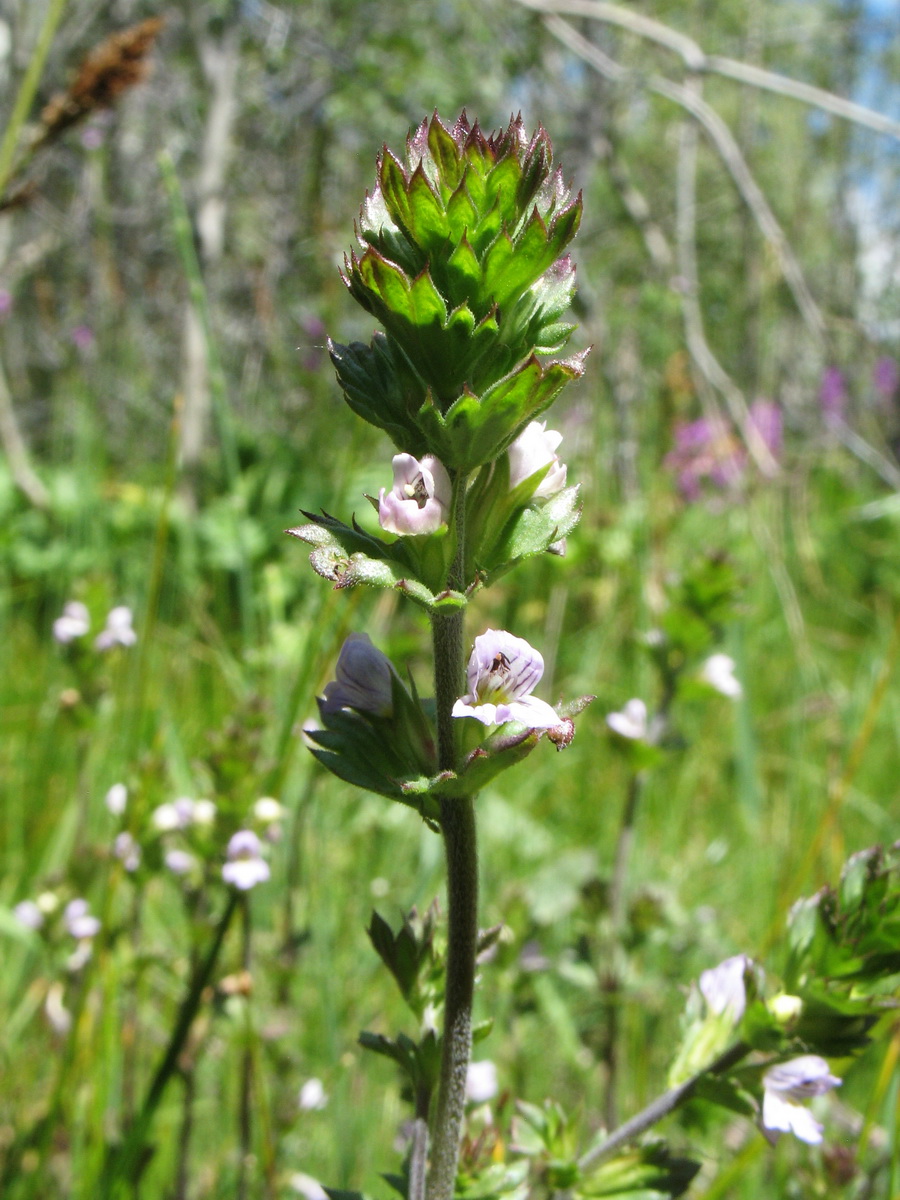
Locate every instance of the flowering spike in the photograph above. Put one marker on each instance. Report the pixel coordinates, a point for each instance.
(462, 262)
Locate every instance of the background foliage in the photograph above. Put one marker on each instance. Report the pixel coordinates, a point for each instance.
(171, 452)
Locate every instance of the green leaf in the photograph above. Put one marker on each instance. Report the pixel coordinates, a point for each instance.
(648, 1172)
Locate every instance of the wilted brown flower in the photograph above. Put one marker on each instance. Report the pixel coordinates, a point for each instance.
(116, 64)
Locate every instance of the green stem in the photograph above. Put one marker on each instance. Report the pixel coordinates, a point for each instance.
(460, 847)
(125, 1160)
(27, 91)
(458, 827)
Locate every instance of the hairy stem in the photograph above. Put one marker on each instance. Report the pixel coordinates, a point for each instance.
(460, 847)
(458, 827)
(661, 1107)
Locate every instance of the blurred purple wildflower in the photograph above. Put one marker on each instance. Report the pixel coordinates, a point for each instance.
(6, 303)
(82, 338)
(886, 377)
(833, 394)
(708, 450)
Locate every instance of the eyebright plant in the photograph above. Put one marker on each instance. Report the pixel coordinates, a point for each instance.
(460, 258)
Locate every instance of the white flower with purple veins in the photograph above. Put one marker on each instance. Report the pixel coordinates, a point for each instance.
(246, 866)
(118, 630)
(534, 448)
(419, 502)
(631, 722)
(718, 672)
(723, 987)
(74, 623)
(785, 1087)
(79, 920)
(364, 679)
(502, 673)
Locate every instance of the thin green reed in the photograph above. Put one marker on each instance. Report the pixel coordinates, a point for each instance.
(28, 90)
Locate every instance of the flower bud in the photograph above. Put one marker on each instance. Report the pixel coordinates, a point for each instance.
(533, 450)
(364, 679)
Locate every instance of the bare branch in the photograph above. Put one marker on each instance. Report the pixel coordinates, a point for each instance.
(731, 155)
(697, 60)
(705, 360)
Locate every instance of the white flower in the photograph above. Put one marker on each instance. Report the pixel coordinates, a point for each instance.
(183, 812)
(307, 1187)
(718, 672)
(116, 799)
(245, 867)
(74, 622)
(312, 1095)
(723, 987)
(118, 630)
(631, 722)
(127, 851)
(179, 862)
(28, 914)
(788, 1083)
(166, 818)
(57, 1014)
(203, 812)
(503, 671)
(267, 810)
(364, 679)
(534, 448)
(79, 920)
(481, 1082)
(419, 502)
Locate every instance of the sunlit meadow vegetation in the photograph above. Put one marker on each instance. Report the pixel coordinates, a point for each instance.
(168, 277)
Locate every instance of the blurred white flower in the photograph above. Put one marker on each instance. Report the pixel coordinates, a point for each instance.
(166, 817)
(28, 914)
(718, 672)
(267, 810)
(118, 630)
(74, 622)
(481, 1081)
(534, 448)
(182, 813)
(312, 1095)
(57, 1014)
(306, 1186)
(48, 903)
(79, 920)
(724, 989)
(203, 812)
(246, 866)
(116, 799)
(631, 722)
(785, 1086)
(179, 862)
(127, 851)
